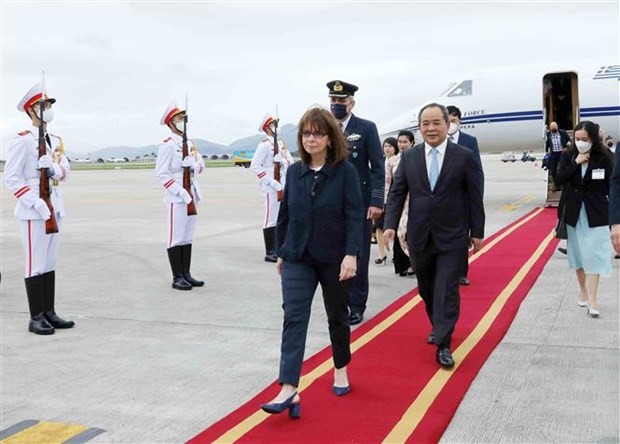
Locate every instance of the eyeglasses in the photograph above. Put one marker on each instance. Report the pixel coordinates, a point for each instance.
(316, 135)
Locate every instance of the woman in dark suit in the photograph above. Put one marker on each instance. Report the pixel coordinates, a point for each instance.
(318, 238)
(585, 171)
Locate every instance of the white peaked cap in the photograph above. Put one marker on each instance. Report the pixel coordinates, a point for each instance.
(171, 110)
(265, 122)
(32, 97)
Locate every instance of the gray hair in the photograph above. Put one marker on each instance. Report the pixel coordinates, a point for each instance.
(443, 109)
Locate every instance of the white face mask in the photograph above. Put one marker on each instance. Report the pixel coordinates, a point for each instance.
(48, 114)
(180, 125)
(453, 128)
(582, 146)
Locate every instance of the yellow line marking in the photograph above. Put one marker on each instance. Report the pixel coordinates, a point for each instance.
(514, 205)
(308, 379)
(45, 432)
(416, 411)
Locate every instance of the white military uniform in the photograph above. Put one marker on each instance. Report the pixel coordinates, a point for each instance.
(263, 166)
(169, 172)
(21, 176)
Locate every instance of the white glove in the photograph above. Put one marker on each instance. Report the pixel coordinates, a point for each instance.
(276, 185)
(183, 194)
(41, 207)
(45, 162)
(278, 158)
(189, 162)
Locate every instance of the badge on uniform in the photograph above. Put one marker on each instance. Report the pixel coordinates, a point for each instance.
(354, 154)
(353, 137)
(598, 174)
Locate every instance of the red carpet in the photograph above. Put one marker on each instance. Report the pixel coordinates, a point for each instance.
(398, 392)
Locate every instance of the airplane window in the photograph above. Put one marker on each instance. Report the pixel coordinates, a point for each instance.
(464, 89)
(449, 88)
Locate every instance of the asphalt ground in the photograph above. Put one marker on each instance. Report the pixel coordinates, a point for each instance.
(146, 363)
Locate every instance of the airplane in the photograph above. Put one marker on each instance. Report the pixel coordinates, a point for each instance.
(509, 108)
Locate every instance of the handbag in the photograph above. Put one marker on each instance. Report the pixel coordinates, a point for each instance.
(560, 228)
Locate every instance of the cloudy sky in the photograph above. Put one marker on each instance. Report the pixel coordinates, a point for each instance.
(114, 66)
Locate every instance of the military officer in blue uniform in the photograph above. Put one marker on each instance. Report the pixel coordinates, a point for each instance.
(366, 154)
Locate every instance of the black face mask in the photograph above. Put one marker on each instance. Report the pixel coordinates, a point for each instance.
(339, 110)
(554, 131)
(610, 144)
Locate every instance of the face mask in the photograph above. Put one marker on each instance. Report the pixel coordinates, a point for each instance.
(48, 115)
(453, 128)
(610, 144)
(180, 125)
(583, 147)
(272, 128)
(339, 110)
(554, 131)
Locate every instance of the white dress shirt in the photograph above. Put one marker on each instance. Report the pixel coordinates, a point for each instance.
(440, 156)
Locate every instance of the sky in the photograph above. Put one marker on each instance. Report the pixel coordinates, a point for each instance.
(114, 66)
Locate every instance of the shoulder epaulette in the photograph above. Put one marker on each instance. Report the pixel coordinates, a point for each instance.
(23, 133)
(265, 140)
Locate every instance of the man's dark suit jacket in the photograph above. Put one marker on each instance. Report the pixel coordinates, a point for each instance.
(469, 141)
(590, 192)
(364, 150)
(564, 139)
(327, 225)
(614, 191)
(450, 214)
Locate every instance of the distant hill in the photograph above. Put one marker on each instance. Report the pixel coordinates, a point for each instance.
(288, 133)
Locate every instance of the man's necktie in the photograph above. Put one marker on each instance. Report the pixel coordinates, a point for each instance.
(451, 138)
(434, 168)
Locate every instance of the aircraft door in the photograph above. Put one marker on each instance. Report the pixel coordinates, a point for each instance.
(560, 105)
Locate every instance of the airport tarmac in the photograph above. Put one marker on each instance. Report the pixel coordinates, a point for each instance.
(146, 363)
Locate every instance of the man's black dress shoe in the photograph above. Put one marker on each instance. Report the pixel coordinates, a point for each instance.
(463, 281)
(444, 357)
(271, 257)
(562, 250)
(431, 338)
(355, 318)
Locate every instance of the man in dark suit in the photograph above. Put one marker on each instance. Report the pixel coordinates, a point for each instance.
(468, 141)
(556, 141)
(446, 213)
(366, 154)
(614, 202)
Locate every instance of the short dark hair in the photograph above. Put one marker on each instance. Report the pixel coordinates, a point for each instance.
(443, 109)
(392, 142)
(454, 111)
(408, 134)
(319, 119)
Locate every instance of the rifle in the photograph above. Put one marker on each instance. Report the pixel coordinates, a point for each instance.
(276, 165)
(51, 226)
(191, 207)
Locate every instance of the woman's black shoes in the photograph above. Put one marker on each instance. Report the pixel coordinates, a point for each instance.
(382, 260)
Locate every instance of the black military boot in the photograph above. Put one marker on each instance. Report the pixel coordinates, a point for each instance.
(269, 234)
(186, 253)
(36, 293)
(176, 264)
(56, 321)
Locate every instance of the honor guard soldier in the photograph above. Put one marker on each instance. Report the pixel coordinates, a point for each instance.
(262, 165)
(22, 175)
(169, 172)
(366, 154)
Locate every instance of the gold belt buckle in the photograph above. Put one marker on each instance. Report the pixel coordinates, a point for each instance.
(54, 183)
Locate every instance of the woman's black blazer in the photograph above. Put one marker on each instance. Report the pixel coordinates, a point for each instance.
(593, 193)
